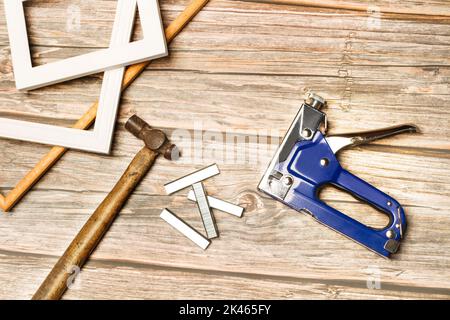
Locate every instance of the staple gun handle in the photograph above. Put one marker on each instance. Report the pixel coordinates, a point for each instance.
(386, 240)
(375, 240)
(371, 195)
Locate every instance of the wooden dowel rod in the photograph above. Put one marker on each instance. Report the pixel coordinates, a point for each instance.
(131, 73)
(368, 6)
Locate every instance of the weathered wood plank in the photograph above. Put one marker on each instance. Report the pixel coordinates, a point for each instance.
(253, 101)
(413, 170)
(242, 67)
(144, 281)
(438, 8)
(295, 245)
(232, 21)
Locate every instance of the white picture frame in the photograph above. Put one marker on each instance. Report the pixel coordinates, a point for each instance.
(99, 139)
(27, 77)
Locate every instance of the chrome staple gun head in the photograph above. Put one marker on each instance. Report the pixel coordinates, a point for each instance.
(306, 161)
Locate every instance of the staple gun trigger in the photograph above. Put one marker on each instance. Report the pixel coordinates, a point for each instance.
(306, 161)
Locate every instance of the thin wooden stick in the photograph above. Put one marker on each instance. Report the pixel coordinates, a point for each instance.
(131, 73)
(367, 6)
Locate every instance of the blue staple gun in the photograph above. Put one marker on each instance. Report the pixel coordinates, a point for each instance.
(306, 161)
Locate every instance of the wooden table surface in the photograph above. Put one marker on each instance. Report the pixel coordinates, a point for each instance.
(241, 68)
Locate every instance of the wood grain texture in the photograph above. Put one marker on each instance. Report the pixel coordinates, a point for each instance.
(243, 67)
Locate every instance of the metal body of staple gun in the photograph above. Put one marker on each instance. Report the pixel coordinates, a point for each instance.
(306, 161)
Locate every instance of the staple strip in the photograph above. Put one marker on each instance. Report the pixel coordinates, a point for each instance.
(192, 178)
(220, 205)
(205, 212)
(185, 229)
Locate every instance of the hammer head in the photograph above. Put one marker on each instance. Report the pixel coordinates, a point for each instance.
(154, 139)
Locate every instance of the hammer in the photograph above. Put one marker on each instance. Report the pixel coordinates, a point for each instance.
(78, 252)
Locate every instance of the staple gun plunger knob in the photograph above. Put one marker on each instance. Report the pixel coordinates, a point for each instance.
(306, 161)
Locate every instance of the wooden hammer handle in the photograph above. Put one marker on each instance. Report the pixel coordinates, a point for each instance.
(95, 228)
